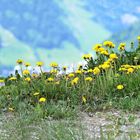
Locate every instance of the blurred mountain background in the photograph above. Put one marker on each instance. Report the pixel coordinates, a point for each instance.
(62, 30)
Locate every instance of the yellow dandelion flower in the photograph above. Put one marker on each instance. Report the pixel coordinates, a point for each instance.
(87, 56)
(54, 71)
(105, 66)
(130, 70)
(109, 44)
(54, 65)
(75, 81)
(50, 79)
(20, 61)
(42, 99)
(101, 49)
(70, 75)
(12, 78)
(39, 64)
(107, 62)
(90, 71)
(121, 47)
(96, 47)
(78, 72)
(120, 87)
(113, 56)
(105, 52)
(28, 79)
(37, 93)
(96, 71)
(27, 64)
(88, 79)
(26, 72)
(110, 60)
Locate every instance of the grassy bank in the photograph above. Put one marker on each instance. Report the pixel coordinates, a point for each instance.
(110, 81)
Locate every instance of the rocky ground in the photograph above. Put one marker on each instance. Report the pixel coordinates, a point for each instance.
(116, 124)
(103, 125)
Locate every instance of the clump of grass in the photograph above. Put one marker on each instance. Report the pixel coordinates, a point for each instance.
(23, 127)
